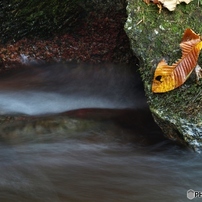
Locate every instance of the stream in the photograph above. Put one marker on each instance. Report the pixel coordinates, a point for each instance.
(87, 135)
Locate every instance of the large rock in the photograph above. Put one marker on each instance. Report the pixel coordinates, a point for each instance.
(155, 36)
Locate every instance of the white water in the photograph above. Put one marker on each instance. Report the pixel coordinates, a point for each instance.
(36, 103)
(59, 88)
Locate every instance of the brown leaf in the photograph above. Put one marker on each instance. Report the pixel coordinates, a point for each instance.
(167, 77)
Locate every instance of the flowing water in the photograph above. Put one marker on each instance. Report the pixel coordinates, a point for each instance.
(105, 148)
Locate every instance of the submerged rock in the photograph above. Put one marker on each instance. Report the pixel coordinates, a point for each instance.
(125, 126)
(155, 36)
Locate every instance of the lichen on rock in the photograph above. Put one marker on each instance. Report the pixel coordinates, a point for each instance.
(155, 36)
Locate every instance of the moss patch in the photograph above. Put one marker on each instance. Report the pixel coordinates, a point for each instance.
(22, 18)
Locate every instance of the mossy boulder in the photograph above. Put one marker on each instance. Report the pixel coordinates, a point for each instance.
(155, 36)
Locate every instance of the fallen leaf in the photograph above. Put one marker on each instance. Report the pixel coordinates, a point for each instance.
(167, 78)
(169, 4)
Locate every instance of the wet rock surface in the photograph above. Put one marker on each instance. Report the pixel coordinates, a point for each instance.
(90, 125)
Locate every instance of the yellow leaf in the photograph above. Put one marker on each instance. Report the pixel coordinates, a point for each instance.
(167, 77)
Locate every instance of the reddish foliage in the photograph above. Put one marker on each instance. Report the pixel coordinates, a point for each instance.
(100, 38)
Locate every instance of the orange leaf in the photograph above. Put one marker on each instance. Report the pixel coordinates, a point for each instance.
(167, 77)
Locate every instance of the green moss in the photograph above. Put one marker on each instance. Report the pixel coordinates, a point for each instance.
(36, 18)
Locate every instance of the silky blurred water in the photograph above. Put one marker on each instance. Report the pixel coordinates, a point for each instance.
(119, 156)
(53, 88)
(78, 170)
